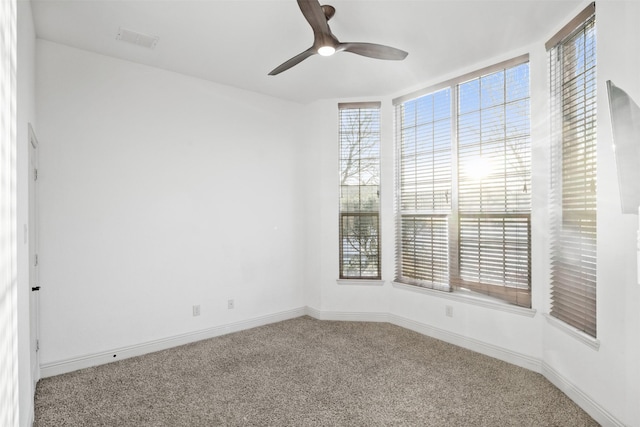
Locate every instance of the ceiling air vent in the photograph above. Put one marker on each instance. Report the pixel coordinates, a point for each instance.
(140, 39)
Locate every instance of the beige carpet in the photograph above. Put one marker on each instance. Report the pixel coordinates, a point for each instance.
(306, 372)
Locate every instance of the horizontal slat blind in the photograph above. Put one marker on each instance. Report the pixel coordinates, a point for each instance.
(495, 256)
(359, 135)
(424, 248)
(573, 183)
(494, 180)
(423, 127)
(463, 184)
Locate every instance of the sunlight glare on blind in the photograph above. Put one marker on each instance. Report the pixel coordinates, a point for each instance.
(572, 64)
(464, 179)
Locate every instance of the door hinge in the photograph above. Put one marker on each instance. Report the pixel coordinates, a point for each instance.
(35, 263)
(35, 174)
(37, 345)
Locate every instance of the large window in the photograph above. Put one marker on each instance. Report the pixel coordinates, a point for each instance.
(572, 63)
(464, 184)
(359, 135)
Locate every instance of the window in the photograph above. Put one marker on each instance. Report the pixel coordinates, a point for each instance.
(425, 189)
(572, 63)
(359, 134)
(464, 180)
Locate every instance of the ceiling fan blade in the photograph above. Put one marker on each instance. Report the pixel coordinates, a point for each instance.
(325, 43)
(293, 61)
(315, 16)
(318, 17)
(373, 50)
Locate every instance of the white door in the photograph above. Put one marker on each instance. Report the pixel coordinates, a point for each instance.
(34, 277)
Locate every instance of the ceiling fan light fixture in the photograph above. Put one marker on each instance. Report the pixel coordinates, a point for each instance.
(326, 44)
(326, 50)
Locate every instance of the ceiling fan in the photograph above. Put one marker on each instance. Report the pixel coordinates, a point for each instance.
(326, 44)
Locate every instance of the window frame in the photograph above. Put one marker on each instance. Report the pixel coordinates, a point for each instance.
(573, 302)
(374, 214)
(455, 214)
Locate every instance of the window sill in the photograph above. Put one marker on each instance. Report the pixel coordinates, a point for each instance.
(469, 297)
(594, 343)
(360, 282)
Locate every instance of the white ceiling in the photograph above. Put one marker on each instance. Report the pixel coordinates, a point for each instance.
(237, 42)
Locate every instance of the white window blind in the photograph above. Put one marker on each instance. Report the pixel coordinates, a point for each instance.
(572, 63)
(464, 178)
(359, 135)
(494, 158)
(425, 192)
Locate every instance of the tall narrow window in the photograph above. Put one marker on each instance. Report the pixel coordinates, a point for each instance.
(572, 62)
(494, 183)
(359, 134)
(464, 184)
(425, 194)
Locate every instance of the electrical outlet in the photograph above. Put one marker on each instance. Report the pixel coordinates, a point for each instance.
(230, 304)
(196, 310)
(448, 310)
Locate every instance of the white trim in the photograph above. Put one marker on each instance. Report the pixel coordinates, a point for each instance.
(589, 405)
(86, 361)
(501, 353)
(348, 316)
(497, 352)
(600, 414)
(469, 297)
(361, 282)
(575, 333)
(359, 105)
(313, 312)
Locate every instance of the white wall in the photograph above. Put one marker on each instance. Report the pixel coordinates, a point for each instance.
(322, 180)
(144, 215)
(9, 368)
(507, 331)
(604, 381)
(610, 376)
(517, 333)
(159, 192)
(27, 367)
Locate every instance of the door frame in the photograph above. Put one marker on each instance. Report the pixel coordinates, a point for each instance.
(34, 270)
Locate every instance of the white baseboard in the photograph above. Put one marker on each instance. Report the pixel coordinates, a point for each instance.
(527, 362)
(531, 363)
(509, 356)
(81, 362)
(347, 316)
(590, 406)
(503, 354)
